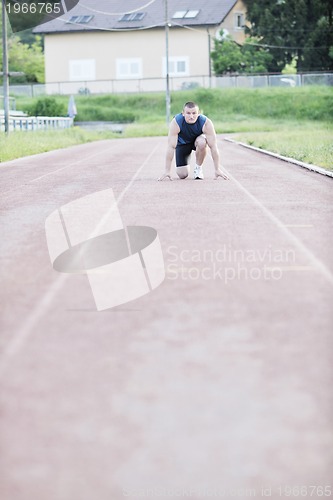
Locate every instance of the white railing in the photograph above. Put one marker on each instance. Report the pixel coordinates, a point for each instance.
(36, 122)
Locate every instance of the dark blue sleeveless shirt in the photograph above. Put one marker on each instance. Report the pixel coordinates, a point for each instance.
(189, 131)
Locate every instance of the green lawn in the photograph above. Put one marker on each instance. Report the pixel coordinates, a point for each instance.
(295, 122)
(25, 143)
(307, 141)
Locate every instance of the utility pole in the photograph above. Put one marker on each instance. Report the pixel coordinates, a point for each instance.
(209, 59)
(5, 67)
(167, 97)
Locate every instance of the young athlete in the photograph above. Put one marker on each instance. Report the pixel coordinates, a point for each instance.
(190, 131)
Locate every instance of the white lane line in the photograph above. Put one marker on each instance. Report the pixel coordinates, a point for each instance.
(298, 225)
(68, 165)
(20, 337)
(291, 268)
(315, 262)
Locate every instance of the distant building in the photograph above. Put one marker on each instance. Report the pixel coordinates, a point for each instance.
(124, 42)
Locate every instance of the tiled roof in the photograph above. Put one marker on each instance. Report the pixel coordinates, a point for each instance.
(106, 15)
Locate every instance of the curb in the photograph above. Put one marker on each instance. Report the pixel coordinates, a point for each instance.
(313, 168)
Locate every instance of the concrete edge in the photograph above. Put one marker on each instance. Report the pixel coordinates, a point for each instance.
(313, 168)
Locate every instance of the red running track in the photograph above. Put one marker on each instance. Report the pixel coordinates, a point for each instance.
(216, 383)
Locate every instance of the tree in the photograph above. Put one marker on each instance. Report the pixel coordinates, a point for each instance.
(257, 58)
(226, 56)
(28, 59)
(293, 29)
(229, 57)
(24, 57)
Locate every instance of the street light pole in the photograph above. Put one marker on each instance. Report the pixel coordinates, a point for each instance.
(5, 67)
(167, 97)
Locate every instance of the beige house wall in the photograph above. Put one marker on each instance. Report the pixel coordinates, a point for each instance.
(230, 22)
(105, 48)
(102, 49)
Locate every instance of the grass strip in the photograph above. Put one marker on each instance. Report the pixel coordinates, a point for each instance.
(294, 122)
(25, 143)
(305, 142)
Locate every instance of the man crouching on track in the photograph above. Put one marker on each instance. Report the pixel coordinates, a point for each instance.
(190, 131)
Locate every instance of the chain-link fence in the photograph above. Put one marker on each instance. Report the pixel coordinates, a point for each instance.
(179, 83)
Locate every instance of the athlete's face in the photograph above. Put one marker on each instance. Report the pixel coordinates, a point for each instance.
(191, 114)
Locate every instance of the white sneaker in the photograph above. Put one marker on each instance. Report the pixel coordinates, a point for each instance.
(198, 174)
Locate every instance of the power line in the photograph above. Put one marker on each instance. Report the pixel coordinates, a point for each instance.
(264, 45)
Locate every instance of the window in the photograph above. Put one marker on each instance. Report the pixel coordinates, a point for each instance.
(86, 19)
(80, 19)
(239, 21)
(82, 69)
(73, 19)
(185, 14)
(179, 14)
(128, 68)
(178, 66)
(135, 16)
(190, 14)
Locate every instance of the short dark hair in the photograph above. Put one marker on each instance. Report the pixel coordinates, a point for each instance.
(190, 104)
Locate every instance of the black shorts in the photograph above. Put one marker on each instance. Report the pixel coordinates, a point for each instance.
(183, 153)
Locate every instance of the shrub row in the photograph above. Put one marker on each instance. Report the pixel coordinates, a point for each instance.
(308, 103)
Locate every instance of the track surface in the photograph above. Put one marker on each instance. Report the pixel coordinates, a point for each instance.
(216, 383)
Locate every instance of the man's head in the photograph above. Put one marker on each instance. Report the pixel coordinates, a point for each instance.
(190, 112)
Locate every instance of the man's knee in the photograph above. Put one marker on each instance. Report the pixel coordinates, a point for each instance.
(201, 143)
(182, 172)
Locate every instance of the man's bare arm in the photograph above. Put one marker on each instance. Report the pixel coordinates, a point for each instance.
(172, 143)
(210, 134)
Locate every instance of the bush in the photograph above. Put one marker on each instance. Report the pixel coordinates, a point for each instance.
(46, 106)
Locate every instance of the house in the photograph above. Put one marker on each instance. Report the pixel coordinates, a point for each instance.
(122, 45)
